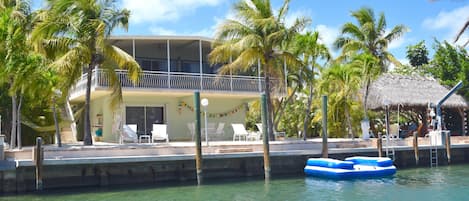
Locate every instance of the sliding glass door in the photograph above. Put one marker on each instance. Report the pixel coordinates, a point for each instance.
(144, 117)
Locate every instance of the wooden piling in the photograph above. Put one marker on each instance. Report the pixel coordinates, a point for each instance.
(38, 158)
(379, 145)
(265, 137)
(198, 142)
(324, 128)
(416, 148)
(448, 146)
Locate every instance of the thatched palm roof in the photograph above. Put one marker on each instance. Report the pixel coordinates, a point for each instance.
(410, 91)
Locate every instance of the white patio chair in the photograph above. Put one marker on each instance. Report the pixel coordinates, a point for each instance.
(239, 132)
(159, 132)
(276, 133)
(191, 127)
(220, 129)
(129, 133)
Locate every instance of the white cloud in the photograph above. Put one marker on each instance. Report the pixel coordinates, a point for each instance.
(207, 32)
(404, 61)
(163, 10)
(451, 22)
(292, 16)
(328, 35)
(397, 43)
(162, 31)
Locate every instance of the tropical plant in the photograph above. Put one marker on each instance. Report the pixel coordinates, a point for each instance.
(16, 59)
(74, 34)
(309, 49)
(341, 83)
(417, 54)
(369, 36)
(256, 35)
(370, 70)
(449, 65)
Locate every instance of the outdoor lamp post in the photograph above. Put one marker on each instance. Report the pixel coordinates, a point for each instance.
(57, 93)
(204, 103)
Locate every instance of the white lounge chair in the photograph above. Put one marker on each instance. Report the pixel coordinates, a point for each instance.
(159, 132)
(220, 129)
(239, 132)
(129, 133)
(276, 133)
(191, 127)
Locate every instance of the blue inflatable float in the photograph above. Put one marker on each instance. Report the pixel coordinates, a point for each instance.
(352, 168)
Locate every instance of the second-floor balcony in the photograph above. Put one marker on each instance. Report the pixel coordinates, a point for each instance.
(179, 82)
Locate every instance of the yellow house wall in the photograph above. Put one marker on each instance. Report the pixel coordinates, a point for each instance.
(177, 117)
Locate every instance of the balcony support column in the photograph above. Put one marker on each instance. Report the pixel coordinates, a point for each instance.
(200, 63)
(168, 52)
(286, 72)
(133, 48)
(231, 75)
(259, 74)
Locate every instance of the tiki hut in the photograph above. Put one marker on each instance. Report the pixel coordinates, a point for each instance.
(416, 92)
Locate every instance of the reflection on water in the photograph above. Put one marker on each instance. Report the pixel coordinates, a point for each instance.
(442, 183)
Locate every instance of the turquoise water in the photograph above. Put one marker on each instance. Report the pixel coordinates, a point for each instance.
(442, 183)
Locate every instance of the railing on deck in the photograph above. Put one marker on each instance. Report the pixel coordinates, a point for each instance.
(178, 81)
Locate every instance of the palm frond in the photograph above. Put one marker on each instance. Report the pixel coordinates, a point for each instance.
(123, 61)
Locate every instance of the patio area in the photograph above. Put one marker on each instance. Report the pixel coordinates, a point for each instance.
(102, 150)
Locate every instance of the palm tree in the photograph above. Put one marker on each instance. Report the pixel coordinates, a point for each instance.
(370, 70)
(369, 36)
(461, 32)
(257, 34)
(15, 57)
(74, 33)
(341, 82)
(310, 49)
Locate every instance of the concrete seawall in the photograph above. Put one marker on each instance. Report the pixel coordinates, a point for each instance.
(68, 172)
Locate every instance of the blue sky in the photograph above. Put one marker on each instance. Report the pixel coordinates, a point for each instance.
(426, 19)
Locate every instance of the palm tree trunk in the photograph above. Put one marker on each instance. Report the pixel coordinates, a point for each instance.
(349, 121)
(281, 110)
(87, 124)
(270, 129)
(308, 111)
(56, 123)
(13, 122)
(18, 130)
(365, 98)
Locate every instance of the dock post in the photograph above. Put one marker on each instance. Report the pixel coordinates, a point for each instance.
(448, 146)
(38, 158)
(379, 145)
(416, 148)
(198, 142)
(324, 127)
(265, 137)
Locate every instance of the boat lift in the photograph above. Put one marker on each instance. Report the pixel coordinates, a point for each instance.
(436, 136)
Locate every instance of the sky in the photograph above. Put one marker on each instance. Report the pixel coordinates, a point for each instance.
(426, 19)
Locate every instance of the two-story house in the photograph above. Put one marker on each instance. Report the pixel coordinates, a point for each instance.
(173, 68)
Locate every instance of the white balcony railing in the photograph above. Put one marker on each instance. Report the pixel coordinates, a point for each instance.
(178, 81)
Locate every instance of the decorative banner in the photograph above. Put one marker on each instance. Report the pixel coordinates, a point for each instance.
(238, 108)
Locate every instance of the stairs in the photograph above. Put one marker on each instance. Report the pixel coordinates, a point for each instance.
(66, 135)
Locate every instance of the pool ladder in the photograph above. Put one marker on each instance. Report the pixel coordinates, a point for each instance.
(390, 152)
(433, 156)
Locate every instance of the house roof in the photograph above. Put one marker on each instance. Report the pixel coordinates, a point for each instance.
(160, 37)
(411, 91)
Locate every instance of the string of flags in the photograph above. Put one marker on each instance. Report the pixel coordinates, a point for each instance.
(238, 108)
